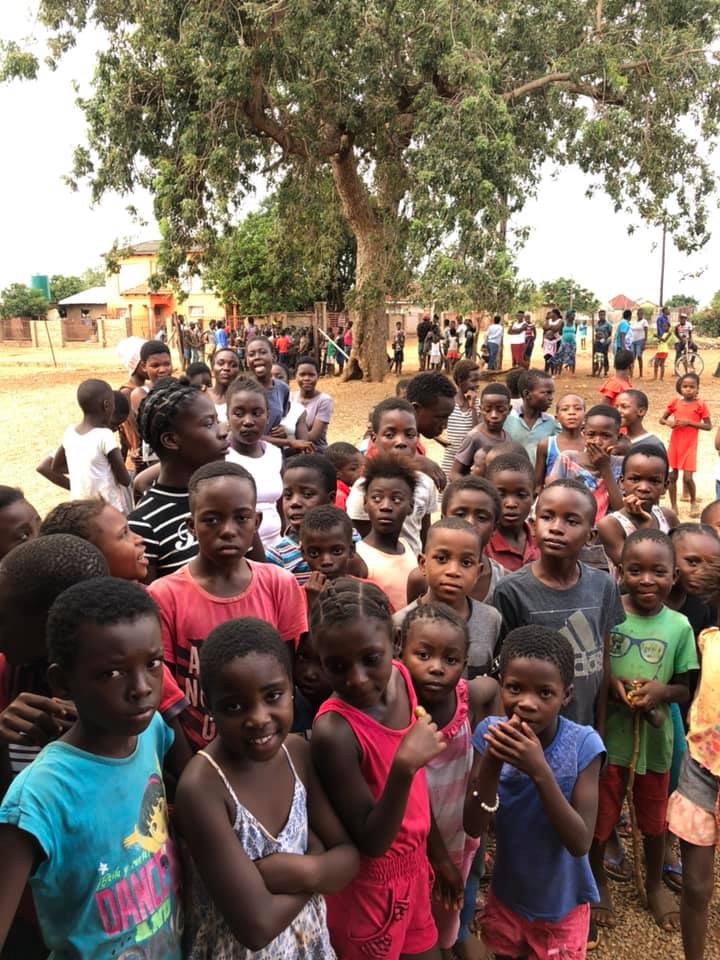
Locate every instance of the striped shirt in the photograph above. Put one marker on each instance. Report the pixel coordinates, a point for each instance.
(460, 423)
(161, 520)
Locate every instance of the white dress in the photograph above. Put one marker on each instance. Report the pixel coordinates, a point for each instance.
(267, 474)
(89, 468)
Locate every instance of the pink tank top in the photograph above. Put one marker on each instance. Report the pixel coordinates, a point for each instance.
(378, 745)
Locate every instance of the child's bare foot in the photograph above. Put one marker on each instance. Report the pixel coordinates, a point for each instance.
(472, 949)
(664, 907)
(694, 509)
(603, 913)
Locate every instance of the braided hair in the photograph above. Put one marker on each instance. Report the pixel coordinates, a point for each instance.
(160, 409)
(436, 613)
(347, 599)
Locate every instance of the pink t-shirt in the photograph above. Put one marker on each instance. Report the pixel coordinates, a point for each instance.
(188, 614)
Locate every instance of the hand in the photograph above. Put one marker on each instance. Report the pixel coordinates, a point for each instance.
(634, 506)
(516, 743)
(303, 446)
(599, 456)
(433, 470)
(314, 586)
(646, 695)
(619, 690)
(35, 721)
(422, 743)
(470, 397)
(449, 888)
(280, 433)
(478, 465)
(286, 873)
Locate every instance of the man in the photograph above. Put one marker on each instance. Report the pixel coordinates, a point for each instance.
(623, 337)
(423, 329)
(221, 340)
(603, 336)
(493, 339)
(684, 334)
(210, 340)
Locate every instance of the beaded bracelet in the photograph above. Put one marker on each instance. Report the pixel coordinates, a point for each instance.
(486, 806)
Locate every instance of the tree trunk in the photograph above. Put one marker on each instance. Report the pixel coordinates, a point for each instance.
(367, 310)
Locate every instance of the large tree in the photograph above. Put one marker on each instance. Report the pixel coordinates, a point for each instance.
(433, 117)
(17, 300)
(568, 294)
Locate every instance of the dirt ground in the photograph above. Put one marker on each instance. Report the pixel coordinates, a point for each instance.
(37, 403)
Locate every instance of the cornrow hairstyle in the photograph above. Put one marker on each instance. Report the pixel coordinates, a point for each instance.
(434, 612)
(656, 536)
(340, 453)
(569, 483)
(529, 379)
(160, 409)
(388, 466)
(688, 529)
(309, 361)
(510, 461)
(152, 347)
(539, 643)
(470, 482)
(317, 463)
(78, 517)
(687, 376)
(39, 570)
(122, 406)
(10, 495)
(101, 602)
(425, 388)
(211, 471)
(246, 385)
(390, 403)
(640, 398)
(453, 523)
(604, 410)
(325, 518)
(463, 369)
(496, 390)
(347, 599)
(649, 451)
(91, 394)
(235, 640)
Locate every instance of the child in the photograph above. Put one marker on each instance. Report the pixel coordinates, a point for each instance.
(434, 650)
(570, 415)
(317, 406)
(19, 520)
(398, 346)
(530, 424)
(538, 773)
(198, 375)
(512, 544)
(394, 430)
(432, 397)
(464, 417)
(389, 485)
(582, 332)
(563, 594)
(259, 356)
(620, 381)
(494, 410)
(369, 749)
(225, 369)
(686, 415)
(155, 365)
(327, 543)
(651, 652)
(435, 352)
(308, 481)
(550, 344)
(632, 405)
(104, 885)
(245, 808)
(349, 464)
(90, 453)
(644, 480)
(401, 387)
(711, 515)
(450, 566)
(697, 555)
(476, 501)
(220, 583)
(179, 422)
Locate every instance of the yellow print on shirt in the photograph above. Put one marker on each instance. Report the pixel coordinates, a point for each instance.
(151, 831)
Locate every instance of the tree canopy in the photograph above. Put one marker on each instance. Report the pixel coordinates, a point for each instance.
(17, 300)
(432, 117)
(683, 300)
(569, 295)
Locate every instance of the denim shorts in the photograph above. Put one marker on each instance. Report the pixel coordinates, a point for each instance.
(638, 347)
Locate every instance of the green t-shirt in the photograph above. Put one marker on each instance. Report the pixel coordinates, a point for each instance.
(647, 648)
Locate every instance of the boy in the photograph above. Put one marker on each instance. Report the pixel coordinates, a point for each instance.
(632, 405)
(494, 410)
(620, 381)
(651, 653)
(308, 481)
(450, 565)
(529, 425)
(394, 430)
(87, 822)
(327, 543)
(538, 772)
(349, 464)
(559, 592)
(432, 396)
(220, 584)
(512, 544)
(19, 520)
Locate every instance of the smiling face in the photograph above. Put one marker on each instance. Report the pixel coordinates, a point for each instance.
(516, 493)
(648, 575)
(494, 409)
(630, 413)
(388, 501)
(357, 658)
(450, 563)
(328, 551)
(562, 522)
(477, 508)
(397, 433)
(435, 654)
(692, 553)
(123, 550)
(645, 478)
(258, 357)
(247, 416)
(570, 411)
(252, 703)
(432, 419)
(226, 367)
(303, 488)
(19, 521)
(533, 691)
(224, 519)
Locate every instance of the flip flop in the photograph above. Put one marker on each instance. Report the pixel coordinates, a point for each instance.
(673, 876)
(594, 937)
(617, 868)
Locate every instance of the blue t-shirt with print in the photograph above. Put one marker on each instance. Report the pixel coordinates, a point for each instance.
(107, 884)
(534, 874)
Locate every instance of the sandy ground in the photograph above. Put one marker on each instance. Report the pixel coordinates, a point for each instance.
(37, 403)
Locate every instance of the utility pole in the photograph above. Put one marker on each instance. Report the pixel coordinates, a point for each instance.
(662, 266)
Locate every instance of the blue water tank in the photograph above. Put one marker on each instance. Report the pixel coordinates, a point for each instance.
(41, 282)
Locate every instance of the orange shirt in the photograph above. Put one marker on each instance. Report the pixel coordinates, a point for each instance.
(613, 387)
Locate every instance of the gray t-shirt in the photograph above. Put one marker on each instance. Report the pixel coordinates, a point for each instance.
(476, 440)
(484, 625)
(585, 614)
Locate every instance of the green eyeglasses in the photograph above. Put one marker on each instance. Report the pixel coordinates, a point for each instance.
(650, 650)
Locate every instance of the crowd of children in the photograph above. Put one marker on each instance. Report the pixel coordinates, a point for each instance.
(254, 702)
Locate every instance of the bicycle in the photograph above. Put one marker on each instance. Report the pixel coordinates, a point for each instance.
(688, 360)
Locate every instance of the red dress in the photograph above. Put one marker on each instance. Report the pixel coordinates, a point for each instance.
(682, 451)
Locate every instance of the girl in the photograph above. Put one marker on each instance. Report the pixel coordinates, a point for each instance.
(318, 406)
(247, 415)
(225, 368)
(569, 413)
(19, 520)
(434, 650)
(686, 414)
(369, 749)
(465, 416)
(435, 352)
(259, 356)
(245, 807)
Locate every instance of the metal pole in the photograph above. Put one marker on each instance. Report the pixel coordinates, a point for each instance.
(328, 337)
(662, 267)
(52, 351)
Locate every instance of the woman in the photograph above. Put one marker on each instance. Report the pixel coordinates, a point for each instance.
(639, 332)
(318, 407)
(516, 338)
(225, 368)
(568, 343)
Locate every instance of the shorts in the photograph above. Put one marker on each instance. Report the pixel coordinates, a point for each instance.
(638, 347)
(452, 354)
(385, 911)
(650, 794)
(507, 933)
(694, 809)
(661, 355)
(398, 356)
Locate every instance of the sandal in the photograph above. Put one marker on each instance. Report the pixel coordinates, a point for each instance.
(594, 937)
(673, 875)
(617, 868)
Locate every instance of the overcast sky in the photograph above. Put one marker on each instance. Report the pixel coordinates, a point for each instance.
(49, 229)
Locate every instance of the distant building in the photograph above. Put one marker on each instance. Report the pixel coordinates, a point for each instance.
(80, 312)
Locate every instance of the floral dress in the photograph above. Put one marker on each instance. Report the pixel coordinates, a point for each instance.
(207, 935)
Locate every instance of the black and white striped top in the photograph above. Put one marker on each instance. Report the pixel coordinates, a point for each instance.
(161, 520)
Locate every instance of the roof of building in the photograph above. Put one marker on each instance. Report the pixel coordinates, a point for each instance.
(145, 290)
(147, 246)
(93, 296)
(621, 302)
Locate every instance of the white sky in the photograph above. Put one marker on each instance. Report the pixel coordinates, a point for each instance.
(49, 229)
